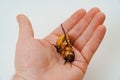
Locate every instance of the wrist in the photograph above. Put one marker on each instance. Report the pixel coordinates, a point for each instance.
(24, 75)
(17, 77)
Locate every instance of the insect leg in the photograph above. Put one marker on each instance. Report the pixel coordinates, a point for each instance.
(65, 62)
(57, 48)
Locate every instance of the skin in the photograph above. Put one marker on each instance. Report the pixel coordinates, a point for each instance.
(37, 59)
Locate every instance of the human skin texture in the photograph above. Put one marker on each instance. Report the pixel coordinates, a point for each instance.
(37, 59)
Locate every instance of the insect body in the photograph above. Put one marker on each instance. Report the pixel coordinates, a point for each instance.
(64, 47)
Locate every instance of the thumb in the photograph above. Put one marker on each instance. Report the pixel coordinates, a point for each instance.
(25, 27)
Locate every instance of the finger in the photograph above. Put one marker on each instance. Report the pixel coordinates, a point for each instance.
(77, 30)
(85, 36)
(25, 28)
(95, 40)
(70, 22)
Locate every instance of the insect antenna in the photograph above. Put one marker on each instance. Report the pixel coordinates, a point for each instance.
(63, 29)
(64, 33)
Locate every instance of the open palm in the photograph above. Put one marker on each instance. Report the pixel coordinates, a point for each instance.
(38, 59)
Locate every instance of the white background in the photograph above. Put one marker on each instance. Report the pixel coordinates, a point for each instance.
(45, 16)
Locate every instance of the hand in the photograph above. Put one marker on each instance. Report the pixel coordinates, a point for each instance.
(37, 59)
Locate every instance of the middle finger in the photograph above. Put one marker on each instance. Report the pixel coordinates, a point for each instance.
(77, 30)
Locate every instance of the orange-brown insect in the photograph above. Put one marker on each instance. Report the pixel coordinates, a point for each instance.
(64, 47)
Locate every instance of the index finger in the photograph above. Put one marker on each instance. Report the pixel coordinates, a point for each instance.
(70, 22)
